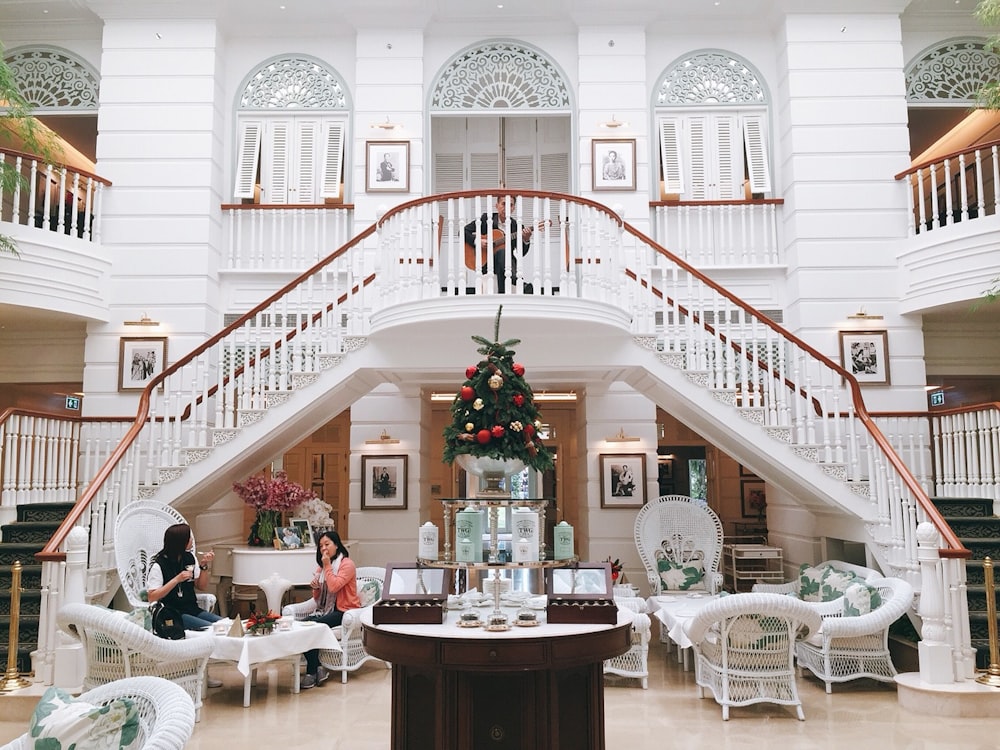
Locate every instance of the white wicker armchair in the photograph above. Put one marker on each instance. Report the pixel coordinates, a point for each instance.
(674, 528)
(138, 536)
(117, 648)
(349, 633)
(166, 713)
(850, 647)
(634, 662)
(744, 648)
(792, 587)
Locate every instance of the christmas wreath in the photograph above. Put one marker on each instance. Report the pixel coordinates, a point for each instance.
(494, 414)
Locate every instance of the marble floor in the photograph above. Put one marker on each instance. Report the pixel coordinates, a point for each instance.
(669, 714)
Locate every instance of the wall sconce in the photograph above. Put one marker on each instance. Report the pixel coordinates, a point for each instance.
(612, 123)
(145, 320)
(862, 315)
(621, 437)
(387, 125)
(384, 439)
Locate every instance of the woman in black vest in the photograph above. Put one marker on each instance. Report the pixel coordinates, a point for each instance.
(174, 573)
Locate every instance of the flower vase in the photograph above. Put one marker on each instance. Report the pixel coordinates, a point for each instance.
(262, 531)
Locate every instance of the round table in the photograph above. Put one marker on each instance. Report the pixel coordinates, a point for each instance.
(464, 688)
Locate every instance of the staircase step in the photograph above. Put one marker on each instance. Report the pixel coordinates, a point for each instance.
(981, 548)
(965, 507)
(980, 528)
(31, 577)
(13, 552)
(23, 657)
(30, 605)
(29, 532)
(54, 512)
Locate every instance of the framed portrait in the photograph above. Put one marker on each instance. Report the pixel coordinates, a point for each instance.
(305, 531)
(287, 537)
(383, 482)
(613, 162)
(387, 166)
(623, 480)
(865, 354)
(753, 498)
(139, 361)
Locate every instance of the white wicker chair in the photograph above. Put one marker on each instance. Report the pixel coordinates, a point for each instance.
(117, 648)
(792, 587)
(849, 648)
(138, 536)
(744, 647)
(634, 662)
(349, 633)
(166, 713)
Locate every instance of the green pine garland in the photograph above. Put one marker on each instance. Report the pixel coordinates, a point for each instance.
(494, 414)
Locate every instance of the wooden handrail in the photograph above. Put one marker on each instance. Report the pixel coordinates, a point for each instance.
(54, 163)
(946, 157)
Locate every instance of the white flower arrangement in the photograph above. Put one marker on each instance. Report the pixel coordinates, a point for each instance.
(316, 512)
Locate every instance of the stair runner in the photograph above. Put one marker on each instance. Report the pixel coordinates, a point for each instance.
(35, 524)
(974, 524)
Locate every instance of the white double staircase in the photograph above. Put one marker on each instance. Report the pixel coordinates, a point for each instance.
(373, 311)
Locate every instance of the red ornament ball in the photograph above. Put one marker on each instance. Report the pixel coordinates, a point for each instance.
(518, 399)
(529, 429)
(470, 371)
(518, 369)
(497, 431)
(483, 436)
(467, 393)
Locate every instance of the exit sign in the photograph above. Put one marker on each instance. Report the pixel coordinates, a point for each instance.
(937, 398)
(73, 402)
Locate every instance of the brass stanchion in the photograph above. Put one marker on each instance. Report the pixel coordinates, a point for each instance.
(12, 679)
(991, 676)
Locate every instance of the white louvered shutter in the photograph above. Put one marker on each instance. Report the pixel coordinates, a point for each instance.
(671, 162)
(755, 142)
(274, 161)
(553, 152)
(699, 156)
(448, 135)
(484, 153)
(728, 173)
(247, 158)
(332, 164)
(306, 146)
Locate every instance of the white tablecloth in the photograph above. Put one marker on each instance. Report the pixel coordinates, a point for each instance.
(674, 612)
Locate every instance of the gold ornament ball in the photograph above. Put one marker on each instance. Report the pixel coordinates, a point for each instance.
(469, 426)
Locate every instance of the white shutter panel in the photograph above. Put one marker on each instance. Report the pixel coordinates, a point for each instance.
(699, 159)
(729, 171)
(274, 162)
(553, 150)
(755, 142)
(670, 155)
(519, 153)
(333, 158)
(448, 135)
(306, 157)
(247, 158)
(484, 152)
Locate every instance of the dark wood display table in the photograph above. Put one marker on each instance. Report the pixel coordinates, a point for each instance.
(538, 688)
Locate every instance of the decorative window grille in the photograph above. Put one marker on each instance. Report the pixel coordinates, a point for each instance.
(54, 79)
(952, 71)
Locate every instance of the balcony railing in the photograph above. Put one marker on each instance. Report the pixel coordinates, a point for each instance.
(54, 197)
(266, 237)
(957, 187)
(709, 234)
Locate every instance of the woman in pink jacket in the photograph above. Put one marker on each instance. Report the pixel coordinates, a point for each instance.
(335, 589)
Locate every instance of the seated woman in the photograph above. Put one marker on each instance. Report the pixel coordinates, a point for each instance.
(335, 589)
(174, 573)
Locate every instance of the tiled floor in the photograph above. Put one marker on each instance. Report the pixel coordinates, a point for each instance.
(669, 714)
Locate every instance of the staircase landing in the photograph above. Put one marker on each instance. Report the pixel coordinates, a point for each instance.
(967, 700)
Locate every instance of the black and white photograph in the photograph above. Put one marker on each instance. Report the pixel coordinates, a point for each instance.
(613, 164)
(139, 361)
(623, 480)
(387, 166)
(865, 355)
(383, 482)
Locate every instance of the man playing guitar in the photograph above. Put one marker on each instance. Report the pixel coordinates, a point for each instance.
(490, 234)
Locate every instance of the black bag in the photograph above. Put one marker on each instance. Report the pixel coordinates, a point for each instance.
(167, 622)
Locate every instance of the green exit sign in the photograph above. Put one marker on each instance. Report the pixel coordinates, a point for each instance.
(937, 398)
(73, 402)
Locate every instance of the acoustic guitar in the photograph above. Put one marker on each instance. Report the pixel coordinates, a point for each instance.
(476, 255)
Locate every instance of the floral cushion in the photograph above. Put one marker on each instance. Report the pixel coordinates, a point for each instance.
(823, 584)
(369, 593)
(810, 580)
(860, 599)
(61, 723)
(680, 576)
(141, 617)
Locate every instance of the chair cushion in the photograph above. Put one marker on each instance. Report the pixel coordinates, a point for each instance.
(61, 723)
(860, 599)
(823, 584)
(810, 580)
(835, 583)
(680, 576)
(370, 592)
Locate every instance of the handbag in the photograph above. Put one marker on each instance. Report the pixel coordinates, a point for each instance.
(167, 622)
